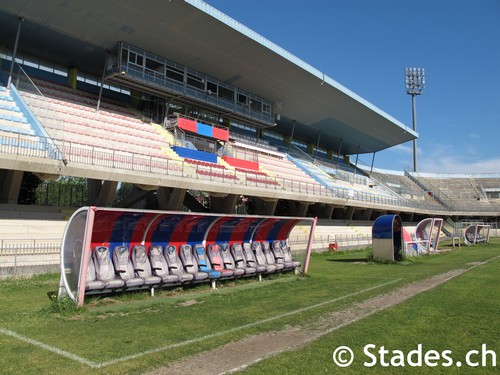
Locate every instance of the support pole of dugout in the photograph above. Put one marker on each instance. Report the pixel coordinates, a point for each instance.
(91, 227)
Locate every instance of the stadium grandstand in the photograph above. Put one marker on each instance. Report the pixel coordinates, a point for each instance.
(173, 105)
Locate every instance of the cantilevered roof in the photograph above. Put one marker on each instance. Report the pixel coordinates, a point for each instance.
(192, 33)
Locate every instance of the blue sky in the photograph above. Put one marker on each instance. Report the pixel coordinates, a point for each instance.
(365, 46)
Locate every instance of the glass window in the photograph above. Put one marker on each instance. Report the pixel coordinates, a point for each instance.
(175, 74)
(154, 65)
(226, 93)
(255, 105)
(242, 99)
(212, 88)
(135, 59)
(196, 82)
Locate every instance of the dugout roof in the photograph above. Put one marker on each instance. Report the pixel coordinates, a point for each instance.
(192, 33)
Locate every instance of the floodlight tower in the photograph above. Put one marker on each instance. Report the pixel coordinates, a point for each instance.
(415, 84)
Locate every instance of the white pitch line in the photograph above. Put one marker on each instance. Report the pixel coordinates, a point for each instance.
(358, 318)
(182, 343)
(198, 339)
(50, 348)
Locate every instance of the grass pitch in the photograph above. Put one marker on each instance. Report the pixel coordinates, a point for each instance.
(134, 333)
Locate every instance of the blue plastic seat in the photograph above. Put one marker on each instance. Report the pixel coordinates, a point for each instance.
(201, 258)
(190, 264)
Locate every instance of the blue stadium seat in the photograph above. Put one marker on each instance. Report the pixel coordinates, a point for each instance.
(190, 264)
(201, 258)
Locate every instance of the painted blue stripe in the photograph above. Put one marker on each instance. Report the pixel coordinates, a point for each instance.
(247, 237)
(123, 229)
(275, 230)
(226, 230)
(198, 230)
(204, 130)
(165, 229)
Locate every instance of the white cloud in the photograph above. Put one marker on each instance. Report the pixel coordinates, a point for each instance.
(403, 148)
(457, 164)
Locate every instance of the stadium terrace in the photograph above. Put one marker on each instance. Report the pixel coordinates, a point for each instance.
(173, 105)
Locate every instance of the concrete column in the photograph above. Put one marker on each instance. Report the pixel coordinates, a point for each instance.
(264, 207)
(406, 217)
(171, 199)
(376, 213)
(363, 214)
(101, 193)
(328, 211)
(10, 185)
(349, 213)
(224, 205)
(298, 209)
(320, 210)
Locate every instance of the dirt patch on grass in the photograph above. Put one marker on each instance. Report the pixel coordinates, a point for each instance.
(238, 355)
(190, 302)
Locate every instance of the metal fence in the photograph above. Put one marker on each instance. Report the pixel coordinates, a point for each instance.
(17, 247)
(33, 146)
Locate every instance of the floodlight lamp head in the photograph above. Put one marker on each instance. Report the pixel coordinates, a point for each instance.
(415, 80)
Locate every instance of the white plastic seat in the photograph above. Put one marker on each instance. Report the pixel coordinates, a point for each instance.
(124, 268)
(270, 259)
(228, 260)
(104, 269)
(142, 266)
(287, 253)
(161, 267)
(189, 263)
(240, 261)
(91, 282)
(215, 256)
(250, 258)
(261, 258)
(279, 256)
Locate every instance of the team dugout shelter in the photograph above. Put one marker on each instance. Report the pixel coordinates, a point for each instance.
(94, 233)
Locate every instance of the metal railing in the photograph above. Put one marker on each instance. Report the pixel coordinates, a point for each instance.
(16, 247)
(85, 154)
(35, 146)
